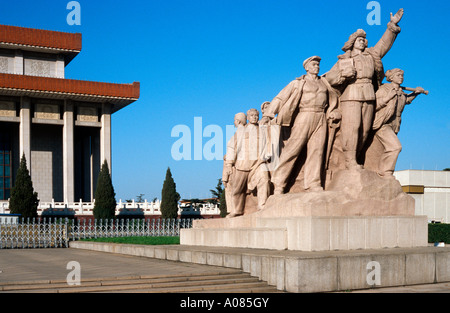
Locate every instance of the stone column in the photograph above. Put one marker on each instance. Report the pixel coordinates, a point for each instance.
(18, 62)
(91, 168)
(68, 153)
(105, 135)
(25, 130)
(96, 163)
(60, 64)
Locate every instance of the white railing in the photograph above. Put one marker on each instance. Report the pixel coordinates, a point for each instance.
(123, 208)
(9, 219)
(33, 235)
(127, 228)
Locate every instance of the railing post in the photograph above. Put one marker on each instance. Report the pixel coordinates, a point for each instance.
(178, 226)
(93, 228)
(66, 225)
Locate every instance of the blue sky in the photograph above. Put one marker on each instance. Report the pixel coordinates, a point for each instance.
(212, 59)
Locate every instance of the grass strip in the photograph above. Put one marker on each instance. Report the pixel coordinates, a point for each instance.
(139, 240)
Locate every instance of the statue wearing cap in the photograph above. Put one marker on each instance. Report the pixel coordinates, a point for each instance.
(357, 75)
(382, 153)
(304, 105)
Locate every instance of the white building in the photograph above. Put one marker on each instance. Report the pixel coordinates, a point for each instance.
(430, 189)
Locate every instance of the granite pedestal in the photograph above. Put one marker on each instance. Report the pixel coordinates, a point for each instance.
(359, 210)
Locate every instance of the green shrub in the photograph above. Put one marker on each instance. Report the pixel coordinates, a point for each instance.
(439, 233)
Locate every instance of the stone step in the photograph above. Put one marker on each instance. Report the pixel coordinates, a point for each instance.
(216, 287)
(227, 281)
(146, 286)
(5, 286)
(254, 289)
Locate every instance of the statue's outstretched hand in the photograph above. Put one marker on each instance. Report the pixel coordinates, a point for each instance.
(335, 116)
(265, 120)
(397, 17)
(419, 90)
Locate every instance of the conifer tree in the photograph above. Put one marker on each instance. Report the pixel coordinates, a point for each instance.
(223, 204)
(105, 197)
(219, 193)
(24, 200)
(169, 197)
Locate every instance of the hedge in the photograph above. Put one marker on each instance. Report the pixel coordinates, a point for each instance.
(439, 232)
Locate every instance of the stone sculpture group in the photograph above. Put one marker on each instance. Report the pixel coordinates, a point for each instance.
(345, 119)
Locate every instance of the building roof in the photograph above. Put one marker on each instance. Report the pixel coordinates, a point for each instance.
(68, 45)
(119, 95)
(14, 37)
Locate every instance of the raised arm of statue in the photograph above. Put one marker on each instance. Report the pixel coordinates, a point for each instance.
(387, 40)
(410, 97)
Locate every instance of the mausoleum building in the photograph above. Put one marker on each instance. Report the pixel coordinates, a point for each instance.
(62, 126)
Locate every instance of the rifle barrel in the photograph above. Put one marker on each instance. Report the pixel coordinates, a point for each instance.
(414, 89)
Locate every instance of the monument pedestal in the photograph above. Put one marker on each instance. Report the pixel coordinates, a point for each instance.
(311, 233)
(359, 210)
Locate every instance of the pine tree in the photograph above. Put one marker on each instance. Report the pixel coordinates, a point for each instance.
(24, 200)
(169, 197)
(219, 193)
(223, 204)
(216, 193)
(105, 197)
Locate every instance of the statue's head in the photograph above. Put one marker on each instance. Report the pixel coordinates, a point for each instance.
(312, 65)
(264, 106)
(253, 116)
(395, 76)
(357, 40)
(240, 119)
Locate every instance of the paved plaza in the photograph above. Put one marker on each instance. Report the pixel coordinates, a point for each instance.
(51, 264)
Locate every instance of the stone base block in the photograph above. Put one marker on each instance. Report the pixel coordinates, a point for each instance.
(269, 238)
(310, 233)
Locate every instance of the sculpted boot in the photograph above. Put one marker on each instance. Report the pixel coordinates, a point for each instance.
(278, 190)
(386, 175)
(315, 189)
(350, 161)
(234, 215)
